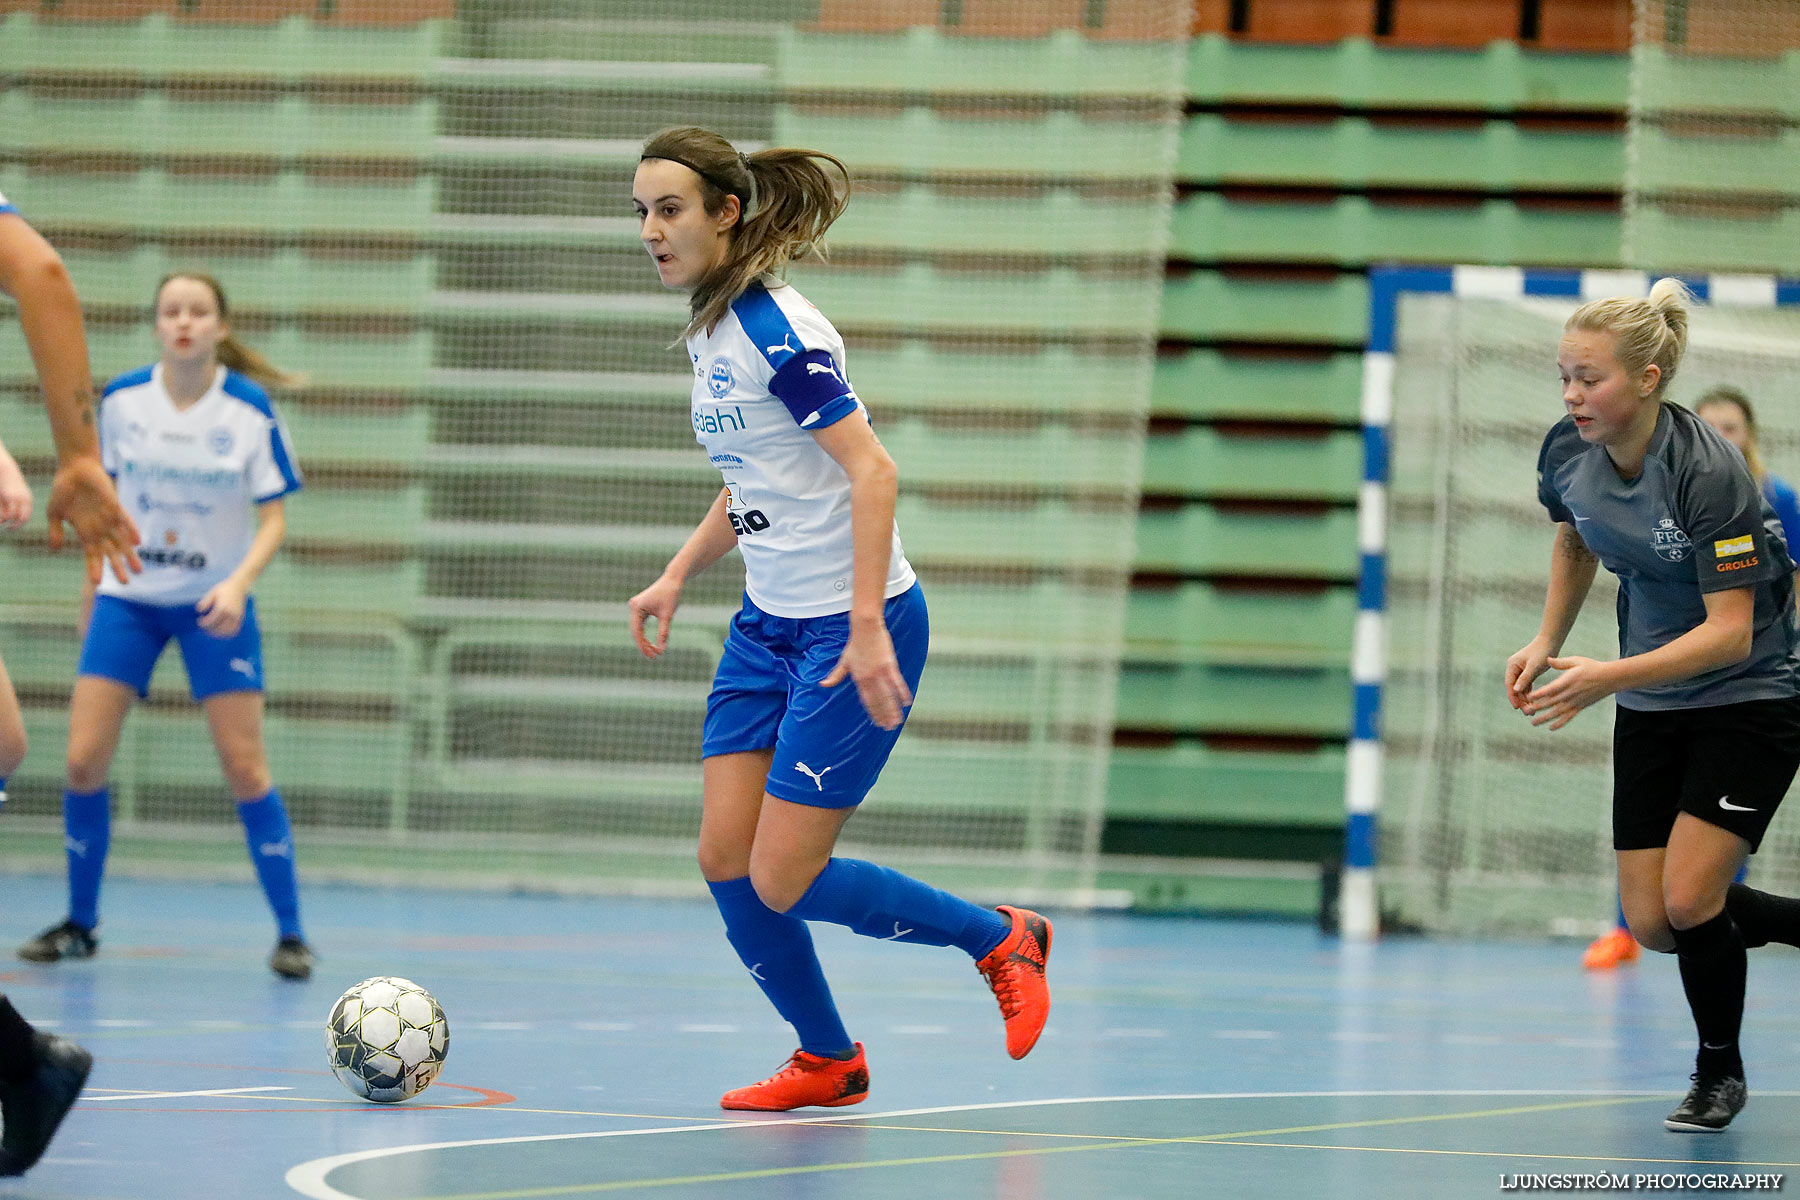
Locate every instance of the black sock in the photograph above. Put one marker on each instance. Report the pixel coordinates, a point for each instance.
(1713, 966)
(1763, 917)
(16, 1049)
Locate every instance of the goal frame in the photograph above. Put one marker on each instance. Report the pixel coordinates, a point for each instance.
(1359, 912)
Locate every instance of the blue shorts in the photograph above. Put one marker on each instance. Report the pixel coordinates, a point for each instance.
(126, 637)
(766, 693)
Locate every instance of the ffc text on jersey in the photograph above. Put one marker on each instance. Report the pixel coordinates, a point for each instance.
(1670, 543)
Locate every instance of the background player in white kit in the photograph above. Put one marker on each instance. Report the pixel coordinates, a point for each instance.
(198, 451)
(809, 502)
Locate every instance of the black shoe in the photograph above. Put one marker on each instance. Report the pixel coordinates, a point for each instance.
(1710, 1104)
(67, 940)
(32, 1108)
(292, 959)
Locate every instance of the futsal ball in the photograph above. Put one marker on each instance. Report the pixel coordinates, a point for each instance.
(386, 1039)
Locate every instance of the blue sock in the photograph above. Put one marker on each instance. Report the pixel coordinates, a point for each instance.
(272, 853)
(882, 903)
(778, 949)
(87, 828)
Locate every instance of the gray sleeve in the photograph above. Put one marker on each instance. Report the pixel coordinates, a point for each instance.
(1548, 461)
(1722, 512)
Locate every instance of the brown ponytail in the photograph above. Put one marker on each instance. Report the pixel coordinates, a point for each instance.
(237, 355)
(789, 198)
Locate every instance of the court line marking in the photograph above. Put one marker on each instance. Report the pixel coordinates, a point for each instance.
(237, 1091)
(308, 1178)
(1098, 1142)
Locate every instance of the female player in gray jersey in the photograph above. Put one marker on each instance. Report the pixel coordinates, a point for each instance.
(1707, 733)
(808, 501)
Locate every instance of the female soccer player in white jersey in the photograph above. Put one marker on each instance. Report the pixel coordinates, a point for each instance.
(42, 1074)
(1706, 737)
(197, 449)
(808, 500)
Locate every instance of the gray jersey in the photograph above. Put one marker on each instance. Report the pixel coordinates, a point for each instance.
(1692, 522)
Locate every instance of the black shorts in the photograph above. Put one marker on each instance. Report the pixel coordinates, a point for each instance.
(1728, 765)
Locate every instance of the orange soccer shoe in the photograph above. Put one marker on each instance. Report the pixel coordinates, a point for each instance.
(1015, 970)
(806, 1081)
(1610, 949)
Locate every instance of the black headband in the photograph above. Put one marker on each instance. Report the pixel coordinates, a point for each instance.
(723, 186)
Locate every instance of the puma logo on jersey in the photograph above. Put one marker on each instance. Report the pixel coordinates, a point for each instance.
(242, 666)
(773, 350)
(821, 369)
(817, 777)
(898, 932)
(756, 972)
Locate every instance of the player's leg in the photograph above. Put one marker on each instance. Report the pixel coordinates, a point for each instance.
(1763, 916)
(743, 713)
(12, 730)
(225, 675)
(1641, 898)
(235, 720)
(118, 653)
(829, 1068)
(1742, 759)
(1649, 761)
(828, 756)
(1710, 951)
(1613, 948)
(40, 1076)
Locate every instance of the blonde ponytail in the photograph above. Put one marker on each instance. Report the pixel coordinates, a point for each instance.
(1646, 333)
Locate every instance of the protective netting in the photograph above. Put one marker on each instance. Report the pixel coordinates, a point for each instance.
(427, 210)
(1712, 176)
(1489, 823)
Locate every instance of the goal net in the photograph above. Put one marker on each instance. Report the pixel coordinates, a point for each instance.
(1712, 178)
(1487, 822)
(424, 206)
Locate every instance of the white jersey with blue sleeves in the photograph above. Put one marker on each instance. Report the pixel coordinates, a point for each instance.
(6, 207)
(771, 370)
(191, 478)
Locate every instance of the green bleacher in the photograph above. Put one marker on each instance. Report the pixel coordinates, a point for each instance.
(381, 224)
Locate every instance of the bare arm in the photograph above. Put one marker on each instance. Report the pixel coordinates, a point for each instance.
(1723, 638)
(222, 608)
(50, 314)
(712, 538)
(868, 657)
(1572, 567)
(33, 274)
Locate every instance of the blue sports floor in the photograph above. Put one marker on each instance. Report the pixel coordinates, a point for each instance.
(590, 1039)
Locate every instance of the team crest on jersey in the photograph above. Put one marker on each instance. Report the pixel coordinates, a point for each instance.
(1670, 543)
(718, 377)
(219, 439)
